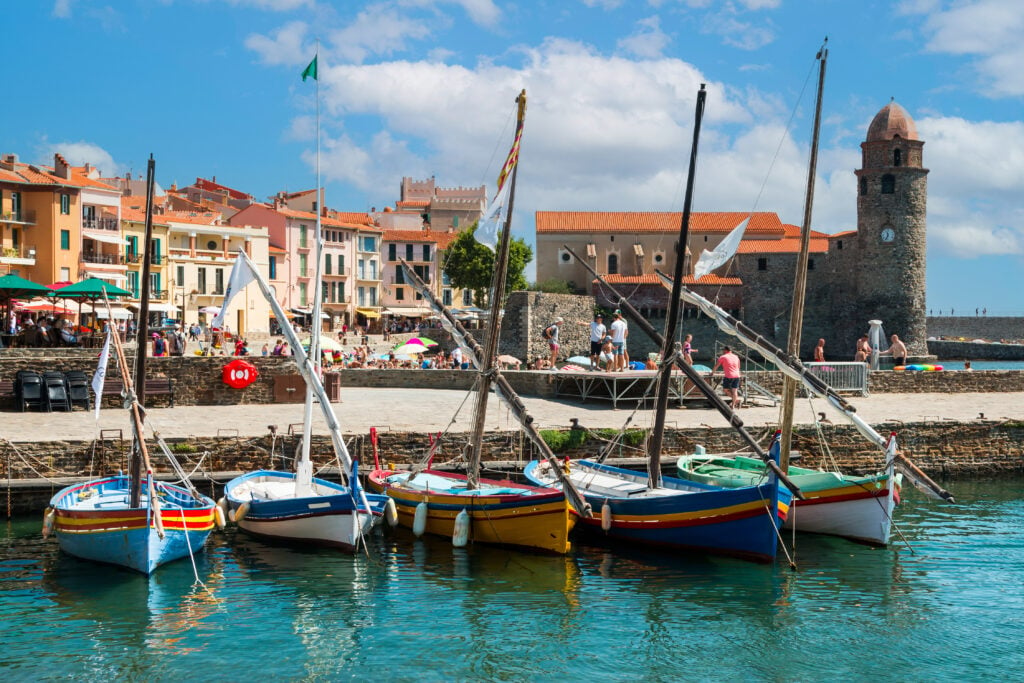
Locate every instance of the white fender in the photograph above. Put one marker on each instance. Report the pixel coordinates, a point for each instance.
(49, 517)
(218, 516)
(460, 534)
(241, 512)
(606, 516)
(419, 520)
(391, 512)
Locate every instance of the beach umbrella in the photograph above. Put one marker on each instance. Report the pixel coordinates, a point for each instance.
(13, 287)
(409, 348)
(90, 289)
(326, 343)
(422, 340)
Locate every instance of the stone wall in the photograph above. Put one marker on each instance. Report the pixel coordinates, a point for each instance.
(977, 327)
(950, 350)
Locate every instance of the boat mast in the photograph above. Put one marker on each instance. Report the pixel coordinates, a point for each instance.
(667, 348)
(796, 318)
(494, 326)
(304, 468)
(142, 338)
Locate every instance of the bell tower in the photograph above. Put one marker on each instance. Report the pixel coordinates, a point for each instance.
(892, 196)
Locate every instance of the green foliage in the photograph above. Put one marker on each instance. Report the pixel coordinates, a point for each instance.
(560, 441)
(632, 437)
(470, 265)
(552, 286)
(183, 447)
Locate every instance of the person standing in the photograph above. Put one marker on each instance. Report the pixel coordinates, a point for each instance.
(897, 349)
(819, 352)
(688, 349)
(176, 342)
(620, 331)
(551, 334)
(730, 363)
(159, 344)
(457, 358)
(863, 350)
(597, 335)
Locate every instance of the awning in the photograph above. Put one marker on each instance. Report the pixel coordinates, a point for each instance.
(308, 312)
(159, 307)
(119, 312)
(108, 237)
(369, 312)
(116, 277)
(410, 311)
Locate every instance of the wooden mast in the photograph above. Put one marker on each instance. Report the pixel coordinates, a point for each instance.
(796, 318)
(142, 339)
(667, 350)
(494, 327)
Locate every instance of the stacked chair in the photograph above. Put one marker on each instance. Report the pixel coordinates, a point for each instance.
(28, 390)
(56, 393)
(77, 385)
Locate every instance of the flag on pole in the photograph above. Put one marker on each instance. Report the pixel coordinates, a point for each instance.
(240, 277)
(490, 223)
(709, 260)
(310, 71)
(101, 372)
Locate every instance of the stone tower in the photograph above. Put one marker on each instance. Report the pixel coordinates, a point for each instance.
(892, 194)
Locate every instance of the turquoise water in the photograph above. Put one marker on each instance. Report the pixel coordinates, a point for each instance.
(953, 609)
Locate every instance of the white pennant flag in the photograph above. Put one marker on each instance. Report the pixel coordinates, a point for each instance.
(709, 260)
(240, 277)
(101, 372)
(490, 223)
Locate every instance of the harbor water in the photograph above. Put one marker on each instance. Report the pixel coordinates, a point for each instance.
(949, 607)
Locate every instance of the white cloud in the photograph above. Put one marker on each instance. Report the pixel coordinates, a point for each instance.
(62, 8)
(603, 4)
(285, 46)
(648, 41)
(377, 30)
(274, 5)
(734, 31)
(80, 153)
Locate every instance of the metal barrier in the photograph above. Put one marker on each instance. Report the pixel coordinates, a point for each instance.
(842, 376)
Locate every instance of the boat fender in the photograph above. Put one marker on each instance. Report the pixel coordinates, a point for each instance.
(158, 518)
(49, 517)
(241, 512)
(391, 512)
(218, 516)
(419, 520)
(606, 516)
(460, 534)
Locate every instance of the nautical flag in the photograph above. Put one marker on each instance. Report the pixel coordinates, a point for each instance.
(709, 260)
(101, 371)
(310, 71)
(489, 224)
(240, 277)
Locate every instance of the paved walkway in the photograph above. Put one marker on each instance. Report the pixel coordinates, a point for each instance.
(417, 410)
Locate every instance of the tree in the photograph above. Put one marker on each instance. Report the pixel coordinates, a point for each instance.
(470, 265)
(553, 286)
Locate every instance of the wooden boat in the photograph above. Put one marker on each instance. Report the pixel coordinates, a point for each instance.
(663, 511)
(467, 508)
(132, 521)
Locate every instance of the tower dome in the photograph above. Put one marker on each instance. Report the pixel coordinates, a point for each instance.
(892, 121)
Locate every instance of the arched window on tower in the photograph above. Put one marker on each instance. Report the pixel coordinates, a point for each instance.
(863, 186)
(613, 264)
(888, 184)
(897, 157)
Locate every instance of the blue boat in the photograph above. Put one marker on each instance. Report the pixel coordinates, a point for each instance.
(678, 514)
(95, 521)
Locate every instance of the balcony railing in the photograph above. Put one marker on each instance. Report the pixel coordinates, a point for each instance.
(129, 259)
(157, 293)
(22, 251)
(96, 257)
(27, 217)
(156, 259)
(101, 224)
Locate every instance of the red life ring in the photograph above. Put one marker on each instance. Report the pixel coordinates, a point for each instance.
(238, 374)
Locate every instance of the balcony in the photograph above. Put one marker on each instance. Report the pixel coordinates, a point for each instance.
(101, 224)
(22, 217)
(156, 259)
(22, 254)
(157, 294)
(97, 257)
(130, 259)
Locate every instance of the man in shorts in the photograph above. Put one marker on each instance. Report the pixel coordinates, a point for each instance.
(619, 331)
(898, 350)
(597, 335)
(730, 363)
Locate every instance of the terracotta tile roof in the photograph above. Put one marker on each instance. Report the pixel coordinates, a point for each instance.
(354, 217)
(44, 175)
(413, 203)
(653, 279)
(274, 249)
(441, 239)
(761, 222)
(789, 245)
(848, 233)
(794, 231)
(209, 185)
(328, 221)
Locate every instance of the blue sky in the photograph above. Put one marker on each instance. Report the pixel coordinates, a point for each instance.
(426, 87)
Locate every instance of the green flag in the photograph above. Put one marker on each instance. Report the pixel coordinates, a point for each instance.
(310, 70)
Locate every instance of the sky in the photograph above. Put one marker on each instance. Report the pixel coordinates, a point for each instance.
(422, 88)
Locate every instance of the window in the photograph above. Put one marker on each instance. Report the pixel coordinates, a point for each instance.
(327, 264)
(65, 239)
(65, 204)
(399, 275)
(392, 252)
(303, 265)
(613, 264)
(455, 221)
(863, 186)
(368, 243)
(888, 184)
(566, 257)
(408, 252)
(897, 157)
(839, 245)
(211, 245)
(16, 240)
(273, 267)
(762, 263)
(467, 297)
(154, 285)
(341, 292)
(362, 269)
(16, 206)
(423, 272)
(373, 269)
(445, 280)
(399, 293)
(303, 237)
(155, 256)
(373, 296)
(181, 276)
(201, 276)
(446, 297)
(323, 292)
(810, 264)
(426, 252)
(303, 295)
(133, 282)
(361, 294)
(218, 277)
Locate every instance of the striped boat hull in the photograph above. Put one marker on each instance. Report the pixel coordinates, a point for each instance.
(536, 519)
